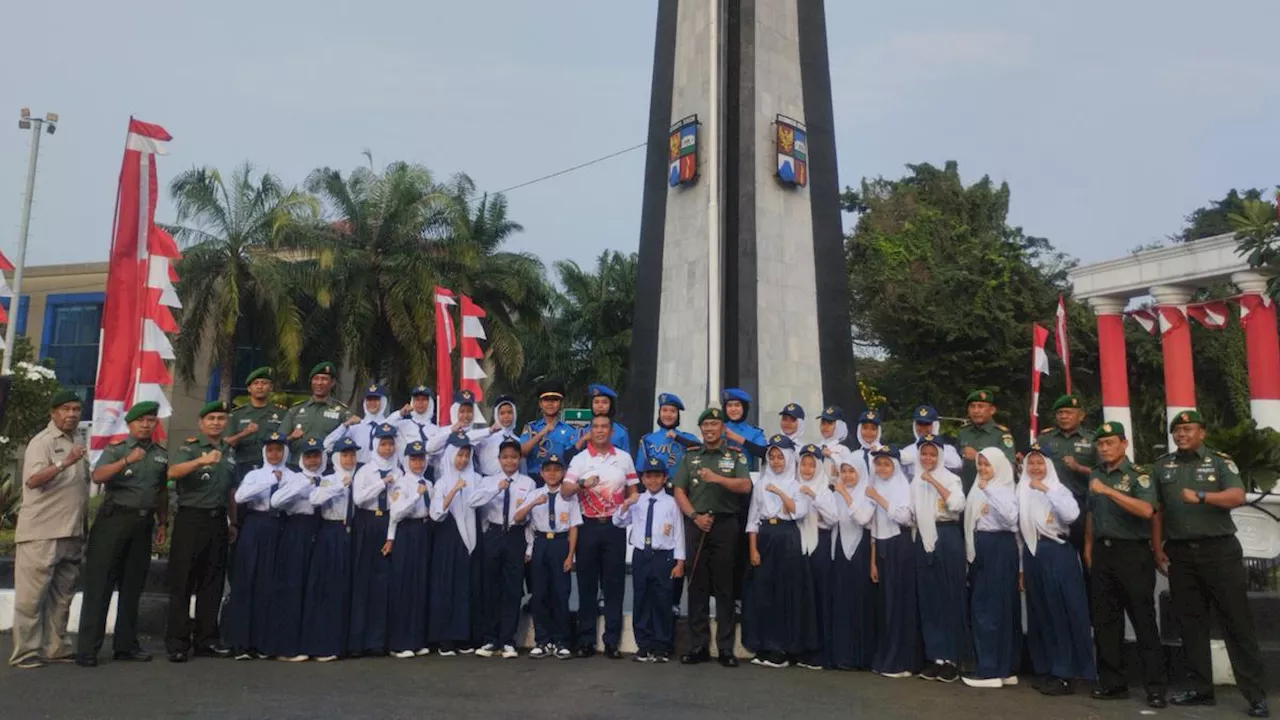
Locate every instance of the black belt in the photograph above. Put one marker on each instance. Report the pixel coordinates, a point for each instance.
(211, 512)
(554, 535)
(776, 521)
(946, 523)
(375, 513)
(109, 509)
(1196, 543)
(422, 520)
(497, 527)
(598, 520)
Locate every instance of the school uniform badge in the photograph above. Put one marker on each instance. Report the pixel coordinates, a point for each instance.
(1144, 481)
(666, 529)
(564, 518)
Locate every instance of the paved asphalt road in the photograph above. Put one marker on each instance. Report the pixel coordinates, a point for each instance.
(476, 687)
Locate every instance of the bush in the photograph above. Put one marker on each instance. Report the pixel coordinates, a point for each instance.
(26, 413)
(1256, 451)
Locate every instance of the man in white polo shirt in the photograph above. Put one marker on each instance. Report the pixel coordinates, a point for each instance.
(602, 477)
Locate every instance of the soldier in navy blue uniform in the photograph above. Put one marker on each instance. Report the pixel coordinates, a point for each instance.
(548, 435)
(604, 401)
(668, 444)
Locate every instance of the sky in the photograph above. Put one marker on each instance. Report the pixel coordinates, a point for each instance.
(1109, 120)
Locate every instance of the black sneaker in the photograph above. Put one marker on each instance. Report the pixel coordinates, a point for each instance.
(1056, 687)
(1258, 708)
(1113, 692)
(948, 673)
(662, 657)
(930, 671)
(1191, 698)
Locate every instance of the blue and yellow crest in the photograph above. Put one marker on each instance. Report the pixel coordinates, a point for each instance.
(682, 156)
(793, 152)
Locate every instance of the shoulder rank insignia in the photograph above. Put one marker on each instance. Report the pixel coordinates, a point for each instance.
(190, 439)
(118, 442)
(1046, 431)
(300, 402)
(1002, 428)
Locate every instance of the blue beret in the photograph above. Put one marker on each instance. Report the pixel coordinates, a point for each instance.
(670, 399)
(735, 394)
(597, 390)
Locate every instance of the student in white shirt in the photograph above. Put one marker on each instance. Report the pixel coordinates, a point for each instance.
(852, 630)
(656, 535)
(363, 430)
(502, 551)
(991, 539)
(409, 546)
(292, 500)
(370, 568)
(937, 498)
(503, 430)
(551, 536)
(327, 607)
(416, 421)
(453, 508)
(246, 622)
(893, 567)
(815, 543)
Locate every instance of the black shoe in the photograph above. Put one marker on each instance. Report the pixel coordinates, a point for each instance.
(1156, 700)
(131, 656)
(728, 660)
(1258, 708)
(930, 671)
(1115, 692)
(612, 653)
(949, 673)
(1056, 687)
(177, 657)
(585, 652)
(695, 656)
(212, 651)
(1191, 698)
(86, 661)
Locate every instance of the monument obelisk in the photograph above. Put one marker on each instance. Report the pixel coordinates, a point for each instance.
(741, 278)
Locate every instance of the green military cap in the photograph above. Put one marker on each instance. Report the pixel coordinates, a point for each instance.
(262, 373)
(985, 396)
(712, 413)
(62, 397)
(1110, 429)
(1186, 417)
(324, 368)
(1066, 401)
(213, 407)
(142, 409)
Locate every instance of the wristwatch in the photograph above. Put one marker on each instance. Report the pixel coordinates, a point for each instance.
(1200, 496)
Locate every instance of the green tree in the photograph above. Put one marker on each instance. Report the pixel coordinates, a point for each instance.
(233, 269)
(26, 413)
(1215, 218)
(1257, 229)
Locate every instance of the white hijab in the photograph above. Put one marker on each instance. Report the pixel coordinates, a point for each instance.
(283, 464)
(978, 497)
(809, 523)
(1034, 506)
(427, 418)
(464, 515)
(769, 501)
(933, 430)
(924, 499)
(838, 435)
(324, 466)
(380, 462)
(850, 531)
(896, 490)
(795, 436)
(380, 416)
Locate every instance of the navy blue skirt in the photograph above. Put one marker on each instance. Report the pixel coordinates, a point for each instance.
(820, 568)
(369, 574)
(246, 622)
(326, 610)
(410, 572)
(1059, 638)
(851, 633)
(289, 584)
(898, 645)
(449, 611)
(995, 604)
(781, 610)
(942, 580)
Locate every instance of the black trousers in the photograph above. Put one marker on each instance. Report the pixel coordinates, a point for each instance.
(712, 572)
(1123, 580)
(197, 565)
(117, 559)
(1211, 572)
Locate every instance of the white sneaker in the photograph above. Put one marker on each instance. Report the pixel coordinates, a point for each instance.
(423, 652)
(983, 682)
(898, 675)
(403, 654)
(537, 652)
(486, 650)
(448, 653)
(1011, 680)
(563, 653)
(807, 666)
(327, 658)
(259, 656)
(509, 652)
(469, 650)
(296, 658)
(757, 660)
(244, 656)
(776, 664)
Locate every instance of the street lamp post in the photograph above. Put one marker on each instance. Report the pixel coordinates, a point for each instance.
(36, 125)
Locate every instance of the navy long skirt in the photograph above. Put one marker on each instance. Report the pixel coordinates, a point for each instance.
(852, 623)
(370, 572)
(410, 574)
(246, 622)
(326, 609)
(449, 611)
(478, 587)
(289, 585)
(897, 615)
(942, 582)
(995, 604)
(1058, 634)
(782, 607)
(820, 567)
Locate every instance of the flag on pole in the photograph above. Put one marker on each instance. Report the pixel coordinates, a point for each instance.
(135, 314)
(1212, 315)
(1039, 366)
(446, 340)
(1060, 341)
(1146, 317)
(472, 353)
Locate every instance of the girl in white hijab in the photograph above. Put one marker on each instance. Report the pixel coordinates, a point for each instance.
(246, 624)
(292, 499)
(937, 496)
(791, 422)
(868, 436)
(815, 543)
(416, 421)
(327, 607)
(834, 432)
(504, 428)
(893, 567)
(850, 627)
(371, 569)
(1058, 634)
(453, 506)
(991, 541)
(377, 405)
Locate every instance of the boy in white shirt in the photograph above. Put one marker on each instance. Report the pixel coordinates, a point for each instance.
(656, 533)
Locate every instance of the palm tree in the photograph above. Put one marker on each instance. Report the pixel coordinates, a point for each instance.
(233, 277)
(596, 311)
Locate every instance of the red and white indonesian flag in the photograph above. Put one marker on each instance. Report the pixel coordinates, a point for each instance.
(446, 340)
(1212, 315)
(1060, 341)
(136, 316)
(5, 266)
(472, 352)
(1039, 366)
(1146, 317)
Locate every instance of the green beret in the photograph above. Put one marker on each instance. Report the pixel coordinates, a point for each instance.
(712, 413)
(1066, 401)
(324, 368)
(262, 373)
(1186, 417)
(213, 407)
(1110, 429)
(142, 409)
(62, 397)
(985, 396)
